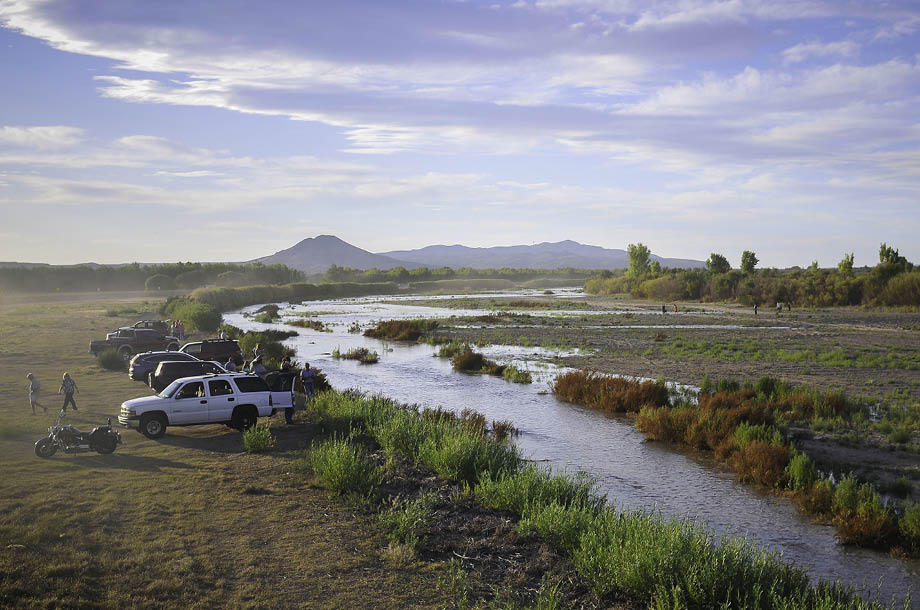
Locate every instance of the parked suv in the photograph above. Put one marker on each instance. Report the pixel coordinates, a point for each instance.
(236, 400)
(130, 341)
(144, 364)
(215, 349)
(167, 372)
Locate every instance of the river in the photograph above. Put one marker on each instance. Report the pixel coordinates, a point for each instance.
(631, 472)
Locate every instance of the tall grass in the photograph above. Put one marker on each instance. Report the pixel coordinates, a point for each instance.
(258, 438)
(401, 330)
(343, 468)
(611, 394)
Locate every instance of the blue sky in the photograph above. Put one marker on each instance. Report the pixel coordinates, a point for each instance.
(162, 131)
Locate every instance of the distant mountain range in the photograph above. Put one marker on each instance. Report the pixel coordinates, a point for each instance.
(316, 254)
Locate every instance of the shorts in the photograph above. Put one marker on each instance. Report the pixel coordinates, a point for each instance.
(33, 396)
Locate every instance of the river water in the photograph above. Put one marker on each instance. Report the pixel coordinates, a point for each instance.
(631, 472)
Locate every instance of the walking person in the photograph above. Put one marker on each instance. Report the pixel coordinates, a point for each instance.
(307, 378)
(68, 389)
(34, 389)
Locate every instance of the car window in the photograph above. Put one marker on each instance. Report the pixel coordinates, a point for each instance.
(169, 390)
(220, 387)
(194, 389)
(251, 384)
(192, 348)
(126, 334)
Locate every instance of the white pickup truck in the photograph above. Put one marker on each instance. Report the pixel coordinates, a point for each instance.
(236, 400)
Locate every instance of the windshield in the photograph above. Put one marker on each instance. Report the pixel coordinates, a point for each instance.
(170, 389)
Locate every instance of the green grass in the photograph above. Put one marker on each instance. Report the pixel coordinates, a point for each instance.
(516, 375)
(343, 468)
(406, 525)
(258, 438)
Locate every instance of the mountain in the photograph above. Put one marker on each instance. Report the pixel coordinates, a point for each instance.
(546, 255)
(316, 254)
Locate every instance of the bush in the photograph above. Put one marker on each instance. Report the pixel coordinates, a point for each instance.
(516, 375)
(196, 316)
(612, 394)
(344, 469)
(762, 463)
(746, 433)
(258, 438)
(820, 498)
(449, 350)
(401, 330)
(110, 359)
(910, 524)
(159, 282)
(361, 354)
(801, 472)
(846, 496)
(531, 486)
(468, 361)
(899, 436)
(561, 526)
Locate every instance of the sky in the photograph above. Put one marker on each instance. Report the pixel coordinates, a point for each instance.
(146, 131)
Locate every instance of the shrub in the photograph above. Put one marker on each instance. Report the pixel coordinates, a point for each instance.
(401, 330)
(910, 524)
(343, 468)
(313, 324)
(258, 438)
(516, 375)
(361, 354)
(846, 496)
(503, 429)
(468, 360)
(196, 316)
(110, 359)
(449, 350)
(761, 463)
(820, 498)
(899, 436)
(801, 472)
(612, 394)
(462, 455)
(531, 486)
(561, 526)
(746, 433)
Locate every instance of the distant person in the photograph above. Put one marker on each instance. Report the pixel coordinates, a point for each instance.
(779, 308)
(181, 329)
(34, 389)
(230, 366)
(286, 364)
(308, 379)
(755, 309)
(68, 389)
(257, 351)
(258, 368)
(789, 306)
(663, 308)
(675, 307)
(223, 335)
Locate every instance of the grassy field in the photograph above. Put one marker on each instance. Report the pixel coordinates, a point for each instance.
(189, 520)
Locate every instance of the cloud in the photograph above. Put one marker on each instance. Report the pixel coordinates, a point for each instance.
(803, 51)
(41, 137)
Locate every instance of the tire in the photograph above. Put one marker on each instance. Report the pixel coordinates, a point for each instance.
(153, 425)
(45, 447)
(105, 445)
(125, 352)
(244, 418)
(172, 347)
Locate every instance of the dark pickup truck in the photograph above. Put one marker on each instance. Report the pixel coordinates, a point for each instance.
(130, 341)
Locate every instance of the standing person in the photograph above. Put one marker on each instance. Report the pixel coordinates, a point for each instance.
(223, 335)
(68, 389)
(663, 310)
(286, 364)
(230, 365)
(308, 378)
(181, 329)
(755, 309)
(257, 351)
(34, 389)
(258, 368)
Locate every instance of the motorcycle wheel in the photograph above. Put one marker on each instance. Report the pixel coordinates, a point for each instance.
(45, 448)
(105, 445)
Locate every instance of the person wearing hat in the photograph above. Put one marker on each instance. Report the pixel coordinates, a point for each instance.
(34, 389)
(68, 389)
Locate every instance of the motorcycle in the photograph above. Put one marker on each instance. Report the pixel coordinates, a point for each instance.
(102, 439)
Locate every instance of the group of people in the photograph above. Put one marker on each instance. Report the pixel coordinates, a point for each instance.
(256, 366)
(177, 329)
(68, 389)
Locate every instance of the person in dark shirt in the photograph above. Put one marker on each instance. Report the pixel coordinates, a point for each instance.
(68, 389)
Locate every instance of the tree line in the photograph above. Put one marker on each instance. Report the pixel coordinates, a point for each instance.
(166, 276)
(894, 281)
(423, 274)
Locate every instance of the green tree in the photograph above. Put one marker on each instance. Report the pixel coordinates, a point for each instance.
(159, 282)
(845, 266)
(813, 267)
(718, 264)
(655, 267)
(889, 255)
(748, 262)
(639, 255)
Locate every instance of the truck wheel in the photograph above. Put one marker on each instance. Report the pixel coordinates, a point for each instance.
(153, 425)
(45, 448)
(125, 352)
(172, 347)
(105, 445)
(244, 418)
